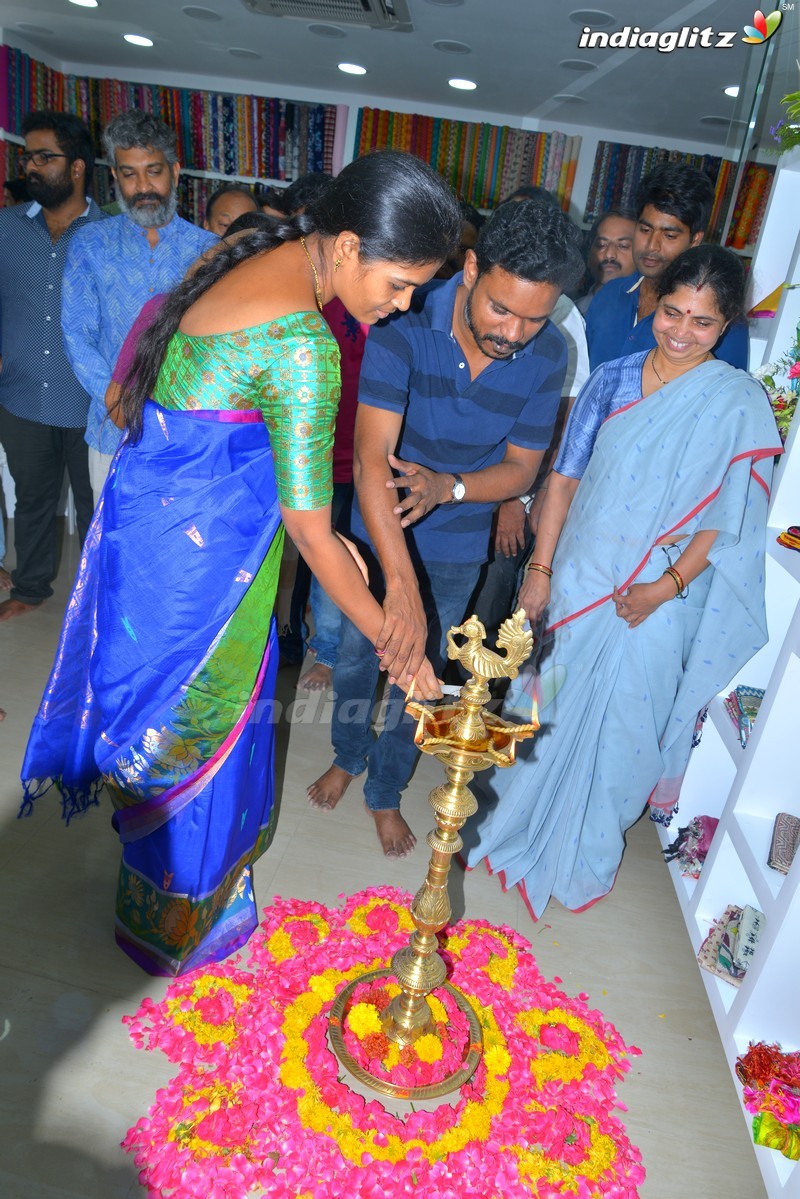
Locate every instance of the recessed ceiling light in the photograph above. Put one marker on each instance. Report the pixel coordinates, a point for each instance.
(732, 91)
(136, 39)
(243, 52)
(84, 3)
(578, 64)
(34, 29)
(715, 121)
(452, 47)
(462, 85)
(352, 68)
(592, 16)
(446, 3)
(320, 30)
(569, 98)
(200, 14)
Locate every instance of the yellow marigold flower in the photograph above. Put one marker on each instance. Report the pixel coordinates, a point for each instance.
(280, 946)
(309, 1005)
(294, 1022)
(296, 1049)
(497, 1060)
(536, 1165)
(428, 1048)
(363, 1019)
(602, 1155)
(393, 1056)
(438, 1010)
(323, 986)
(293, 1074)
(457, 944)
(502, 970)
(477, 1120)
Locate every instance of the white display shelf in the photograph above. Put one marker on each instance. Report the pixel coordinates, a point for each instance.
(728, 732)
(747, 787)
(788, 560)
(754, 831)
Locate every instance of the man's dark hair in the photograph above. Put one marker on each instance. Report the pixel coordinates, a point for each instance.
(71, 134)
(305, 192)
(707, 266)
(681, 191)
(17, 189)
(472, 216)
(534, 240)
(625, 214)
(227, 189)
(531, 191)
(250, 220)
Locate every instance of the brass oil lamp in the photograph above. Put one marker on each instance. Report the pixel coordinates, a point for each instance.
(466, 739)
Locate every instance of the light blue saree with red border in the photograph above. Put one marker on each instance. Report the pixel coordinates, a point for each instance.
(619, 705)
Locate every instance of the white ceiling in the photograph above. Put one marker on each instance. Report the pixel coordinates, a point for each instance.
(517, 53)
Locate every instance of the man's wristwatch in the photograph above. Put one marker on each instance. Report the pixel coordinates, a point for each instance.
(459, 489)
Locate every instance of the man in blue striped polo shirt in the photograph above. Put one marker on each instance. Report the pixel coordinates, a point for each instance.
(457, 403)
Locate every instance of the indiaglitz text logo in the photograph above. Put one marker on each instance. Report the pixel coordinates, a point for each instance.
(632, 37)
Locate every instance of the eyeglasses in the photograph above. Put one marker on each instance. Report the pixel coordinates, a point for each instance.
(39, 158)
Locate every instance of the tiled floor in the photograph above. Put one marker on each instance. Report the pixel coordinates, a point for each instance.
(72, 1083)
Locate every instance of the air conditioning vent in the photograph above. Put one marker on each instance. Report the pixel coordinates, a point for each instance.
(391, 15)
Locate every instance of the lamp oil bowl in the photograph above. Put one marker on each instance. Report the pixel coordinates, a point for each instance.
(466, 739)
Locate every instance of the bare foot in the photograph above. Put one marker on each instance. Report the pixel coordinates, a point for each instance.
(329, 788)
(11, 608)
(317, 678)
(5, 580)
(396, 838)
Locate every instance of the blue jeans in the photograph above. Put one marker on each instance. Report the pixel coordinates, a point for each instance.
(327, 626)
(327, 617)
(390, 759)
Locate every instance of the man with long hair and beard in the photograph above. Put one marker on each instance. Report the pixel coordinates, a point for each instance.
(113, 269)
(43, 407)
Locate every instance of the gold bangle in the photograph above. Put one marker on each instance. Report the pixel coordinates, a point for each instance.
(545, 570)
(677, 578)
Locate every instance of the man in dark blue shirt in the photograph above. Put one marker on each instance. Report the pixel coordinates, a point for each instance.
(457, 402)
(674, 206)
(43, 407)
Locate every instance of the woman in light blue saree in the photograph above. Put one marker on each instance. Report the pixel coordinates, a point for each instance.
(162, 685)
(653, 531)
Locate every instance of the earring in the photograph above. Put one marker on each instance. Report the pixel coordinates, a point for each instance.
(337, 263)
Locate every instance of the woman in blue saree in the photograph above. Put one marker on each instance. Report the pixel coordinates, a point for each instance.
(653, 530)
(164, 674)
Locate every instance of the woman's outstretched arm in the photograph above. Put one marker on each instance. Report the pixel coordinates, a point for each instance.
(534, 594)
(335, 567)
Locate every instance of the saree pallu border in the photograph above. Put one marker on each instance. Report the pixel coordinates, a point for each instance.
(165, 655)
(618, 706)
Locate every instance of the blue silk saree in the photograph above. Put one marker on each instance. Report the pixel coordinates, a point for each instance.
(160, 680)
(162, 686)
(618, 706)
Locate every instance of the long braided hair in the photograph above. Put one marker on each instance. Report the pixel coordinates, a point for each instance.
(152, 346)
(399, 207)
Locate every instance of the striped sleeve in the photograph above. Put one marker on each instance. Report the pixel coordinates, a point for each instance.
(386, 369)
